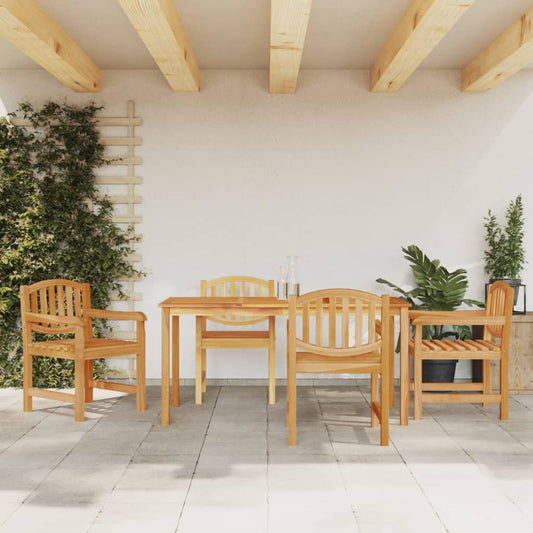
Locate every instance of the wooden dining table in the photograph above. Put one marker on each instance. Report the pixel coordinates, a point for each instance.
(174, 307)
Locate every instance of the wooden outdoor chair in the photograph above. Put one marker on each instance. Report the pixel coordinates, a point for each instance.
(58, 307)
(235, 286)
(319, 341)
(496, 319)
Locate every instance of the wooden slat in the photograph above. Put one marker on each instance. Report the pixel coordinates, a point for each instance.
(127, 160)
(32, 31)
(118, 180)
(119, 121)
(136, 296)
(121, 141)
(372, 322)
(77, 303)
(358, 322)
(288, 26)
(422, 26)
(318, 325)
(60, 301)
(51, 394)
(305, 322)
(112, 385)
(69, 299)
(114, 199)
(126, 219)
(332, 322)
(42, 298)
(158, 24)
(345, 322)
(505, 56)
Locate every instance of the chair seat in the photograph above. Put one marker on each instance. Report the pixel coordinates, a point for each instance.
(458, 349)
(309, 362)
(95, 346)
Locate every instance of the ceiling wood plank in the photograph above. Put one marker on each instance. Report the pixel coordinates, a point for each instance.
(422, 26)
(29, 28)
(158, 24)
(505, 56)
(288, 26)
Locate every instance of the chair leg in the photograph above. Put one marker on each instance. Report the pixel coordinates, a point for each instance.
(89, 369)
(417, 396)
(27, 382)
(204, 370)
(291, 408)
(384, 440)
(391, 363)
(141, 380)
(504, 388)
(374, 399)
(79, 392)
(198, 384)
(272, 362)
(485, 376)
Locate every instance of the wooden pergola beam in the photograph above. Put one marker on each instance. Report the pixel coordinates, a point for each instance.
(158, 24)
(422, 26)
(31, 30)
(505, 56)
(288, 26)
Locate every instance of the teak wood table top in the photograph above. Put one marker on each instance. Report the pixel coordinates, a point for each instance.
(254, 305)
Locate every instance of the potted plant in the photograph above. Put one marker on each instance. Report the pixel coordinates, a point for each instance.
(437, 289)
(504, 253)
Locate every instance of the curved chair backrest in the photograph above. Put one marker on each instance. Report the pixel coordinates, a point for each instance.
(500, 300)
(339, 322)
(56, 297)
(237, 286)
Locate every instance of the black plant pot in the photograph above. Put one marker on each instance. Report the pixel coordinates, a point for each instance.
(438, 370)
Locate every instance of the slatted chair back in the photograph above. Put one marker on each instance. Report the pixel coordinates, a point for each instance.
(499, 302)
(338, 322)
(56, 297)
(237, 286)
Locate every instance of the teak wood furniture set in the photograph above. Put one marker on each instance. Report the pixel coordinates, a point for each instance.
(328, 331)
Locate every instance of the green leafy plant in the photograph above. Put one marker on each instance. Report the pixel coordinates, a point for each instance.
(505, 255)
(437, 289)
(54, 223)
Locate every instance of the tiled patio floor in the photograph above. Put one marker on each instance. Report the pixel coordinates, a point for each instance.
(225, 466)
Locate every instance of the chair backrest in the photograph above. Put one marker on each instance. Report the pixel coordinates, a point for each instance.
(500, 300)
(57, 297)
(237, 286)
(339, 322)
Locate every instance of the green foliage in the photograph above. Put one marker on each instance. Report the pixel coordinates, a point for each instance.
(437, 289)
(505, 256)
(53, 223)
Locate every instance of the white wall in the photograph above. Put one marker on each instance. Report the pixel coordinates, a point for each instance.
(235, 179)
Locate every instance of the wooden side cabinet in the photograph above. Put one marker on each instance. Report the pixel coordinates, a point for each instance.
(520, 357)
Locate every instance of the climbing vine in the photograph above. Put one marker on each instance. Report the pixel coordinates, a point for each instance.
(54, 223)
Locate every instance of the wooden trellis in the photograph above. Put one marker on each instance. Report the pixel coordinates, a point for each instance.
(118, 182)
(123, 166)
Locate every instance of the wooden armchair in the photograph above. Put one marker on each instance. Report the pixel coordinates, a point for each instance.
(310, 350)
(235, 286)
(58, 307)
(496, 319)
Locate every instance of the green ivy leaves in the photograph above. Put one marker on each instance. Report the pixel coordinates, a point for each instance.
(54, 223)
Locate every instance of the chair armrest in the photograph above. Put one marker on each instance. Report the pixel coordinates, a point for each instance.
(453, 318)
(54, 319)
(115, 315)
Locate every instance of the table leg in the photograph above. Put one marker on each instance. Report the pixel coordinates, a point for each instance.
(175, 361)
(404, 366)
(165, 366)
